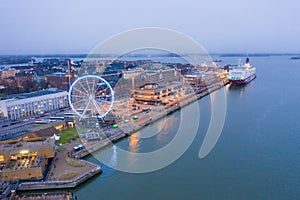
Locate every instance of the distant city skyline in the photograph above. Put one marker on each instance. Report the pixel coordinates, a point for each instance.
(76, 27)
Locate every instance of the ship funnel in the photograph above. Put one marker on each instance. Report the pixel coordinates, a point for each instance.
(247, 60)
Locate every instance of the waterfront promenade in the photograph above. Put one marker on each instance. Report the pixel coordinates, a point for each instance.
(64, 172)
(46, 196)
(156, 113)
(60, 184)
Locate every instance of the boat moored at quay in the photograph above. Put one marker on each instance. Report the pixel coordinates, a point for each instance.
(241, 74)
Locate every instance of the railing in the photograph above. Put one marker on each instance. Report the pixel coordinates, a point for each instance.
(72, 182)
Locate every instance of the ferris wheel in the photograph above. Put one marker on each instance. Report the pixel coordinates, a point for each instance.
(91, 96)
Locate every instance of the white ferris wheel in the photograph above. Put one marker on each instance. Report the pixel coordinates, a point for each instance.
(91, 96)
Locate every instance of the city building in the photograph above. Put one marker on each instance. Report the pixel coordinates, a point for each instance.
(153, 73)
(48, 130)
(194, 78)
(7, 73)
(27, 104)
(25, 160)
(148, 74)
(155, 94)
(132, 73)
(59, 80)
(24, 80)
(211, 78)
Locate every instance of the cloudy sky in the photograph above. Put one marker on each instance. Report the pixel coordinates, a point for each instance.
(77, 26)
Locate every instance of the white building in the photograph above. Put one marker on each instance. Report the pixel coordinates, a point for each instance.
(23, 105)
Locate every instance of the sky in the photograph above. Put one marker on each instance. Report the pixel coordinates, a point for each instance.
(220, 26)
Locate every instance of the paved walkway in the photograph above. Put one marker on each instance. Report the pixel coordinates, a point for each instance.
(60, 166)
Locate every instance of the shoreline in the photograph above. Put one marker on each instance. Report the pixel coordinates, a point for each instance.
(48, 185)
(125, 131)
(122, 133)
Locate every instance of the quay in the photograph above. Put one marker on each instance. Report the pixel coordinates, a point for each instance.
(127, 130)
(46, 196)
(43, 185)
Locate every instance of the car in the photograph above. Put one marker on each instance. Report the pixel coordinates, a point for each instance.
(146, 110)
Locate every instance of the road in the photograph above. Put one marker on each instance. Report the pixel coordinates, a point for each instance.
(13, 129)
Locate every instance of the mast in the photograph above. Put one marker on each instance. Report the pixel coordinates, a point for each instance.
(240, 62)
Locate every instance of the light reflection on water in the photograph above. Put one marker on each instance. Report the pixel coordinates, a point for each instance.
(134, 142)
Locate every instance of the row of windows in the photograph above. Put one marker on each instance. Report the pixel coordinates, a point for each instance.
(38, 104)
(36, 107)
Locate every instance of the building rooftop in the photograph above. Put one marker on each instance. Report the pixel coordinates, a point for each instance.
(156, 67)
(33, 94)
(59, 74)
(26, 146)
(194, 73)
(158, 87)
(24, 163)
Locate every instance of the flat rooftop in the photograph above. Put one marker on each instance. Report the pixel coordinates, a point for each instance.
(58, 74)
(23, 163)
(194, 73)
(30, 146)
(33, 94)
(154, 86)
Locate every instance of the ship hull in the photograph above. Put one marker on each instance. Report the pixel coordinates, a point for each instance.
(244, 81)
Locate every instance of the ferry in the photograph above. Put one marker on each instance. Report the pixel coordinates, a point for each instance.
(241, 74)
(295, 57)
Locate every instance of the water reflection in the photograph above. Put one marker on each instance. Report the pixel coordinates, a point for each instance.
(164, 125)
(239, 89)
(114, 156)
(242, 91)
(134, 142)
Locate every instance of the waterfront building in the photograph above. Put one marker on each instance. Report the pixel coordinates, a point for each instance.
(25, 160)
(148, 74)
(194, 78)
(153, 73)
(27, 104)
(155, 94)
(212, 78)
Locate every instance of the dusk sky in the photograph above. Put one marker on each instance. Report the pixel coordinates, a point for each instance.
(68, 26)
